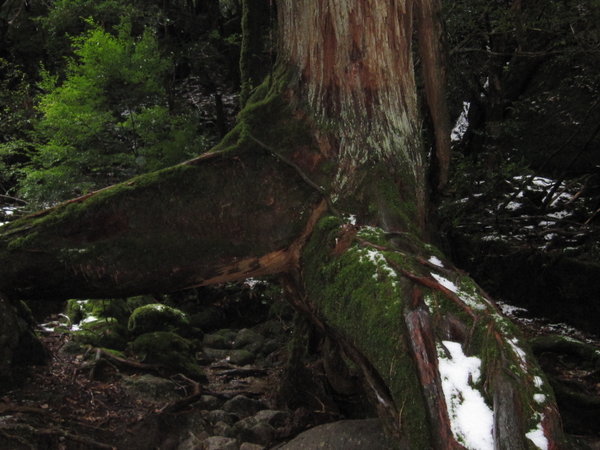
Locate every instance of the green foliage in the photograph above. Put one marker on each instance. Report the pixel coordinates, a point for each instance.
(108, 120)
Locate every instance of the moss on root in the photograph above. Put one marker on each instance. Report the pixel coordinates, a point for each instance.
(365, 292)
(362, 297)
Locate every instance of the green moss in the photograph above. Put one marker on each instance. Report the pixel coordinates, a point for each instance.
(168, 349)
(106, 332)
(157, 317)
(359, 295)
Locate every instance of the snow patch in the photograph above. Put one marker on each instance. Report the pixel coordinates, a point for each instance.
(519, 352)
(466, 298)
(446, 283)
(537, 437)
(510, 310)
(472, 420)
(539, 398)
(436, 261)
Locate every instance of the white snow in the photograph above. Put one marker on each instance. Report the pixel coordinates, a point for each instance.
(538, 382)
(559, 214)
(88, 319)
(513, 206)
(352, 219)
(519, 352)
(539, 398)
(510, 310)
(379, 261)
(445, 282)
(436, 261)
(471, 418)
(537, 437)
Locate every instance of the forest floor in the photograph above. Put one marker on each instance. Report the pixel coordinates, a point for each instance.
(85, 398)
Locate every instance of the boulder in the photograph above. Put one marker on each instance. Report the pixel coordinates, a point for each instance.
(342, 435)
(243, 406)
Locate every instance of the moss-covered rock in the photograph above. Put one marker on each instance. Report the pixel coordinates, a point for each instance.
(157, 317)
(78, 310)
(170, 350)
(105, 332)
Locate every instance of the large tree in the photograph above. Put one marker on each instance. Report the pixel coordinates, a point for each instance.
(322, 181)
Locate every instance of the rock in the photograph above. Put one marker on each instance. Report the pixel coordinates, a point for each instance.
(223, 429)
(209, 318)
(342, 435)
(219, 443)
(215, 341)
(208, 402)
(157, 317)
(250, 446)
(193, 442)
(150, 388)
(218, 415)
(214, 354)
(243, 406)
(274, 418)
(248, 339)
(250, 430)
(169, 350)
(241, 357)
(270, 346)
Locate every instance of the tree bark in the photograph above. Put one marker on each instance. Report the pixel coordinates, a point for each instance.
(322, 180)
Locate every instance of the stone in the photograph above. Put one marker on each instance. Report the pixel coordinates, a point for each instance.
(156, 317)
(243, 406)
(246, 338)
(250, 446)
(150, 387)
(342, 435)
(193, 442)
(219, 443)
(215, 341)
(208, 402)
(223, 429)
(214, 354)
(219, 415)
(241, 357)
(250, 430)
(274, 418)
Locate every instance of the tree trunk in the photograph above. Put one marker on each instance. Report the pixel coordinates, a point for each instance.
(322, 180)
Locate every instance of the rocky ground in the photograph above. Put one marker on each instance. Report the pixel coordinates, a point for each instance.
(234, 392)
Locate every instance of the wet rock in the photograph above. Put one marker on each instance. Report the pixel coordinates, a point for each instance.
(342, 435)
(243, 406)
(219, 443)
(241, 357)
